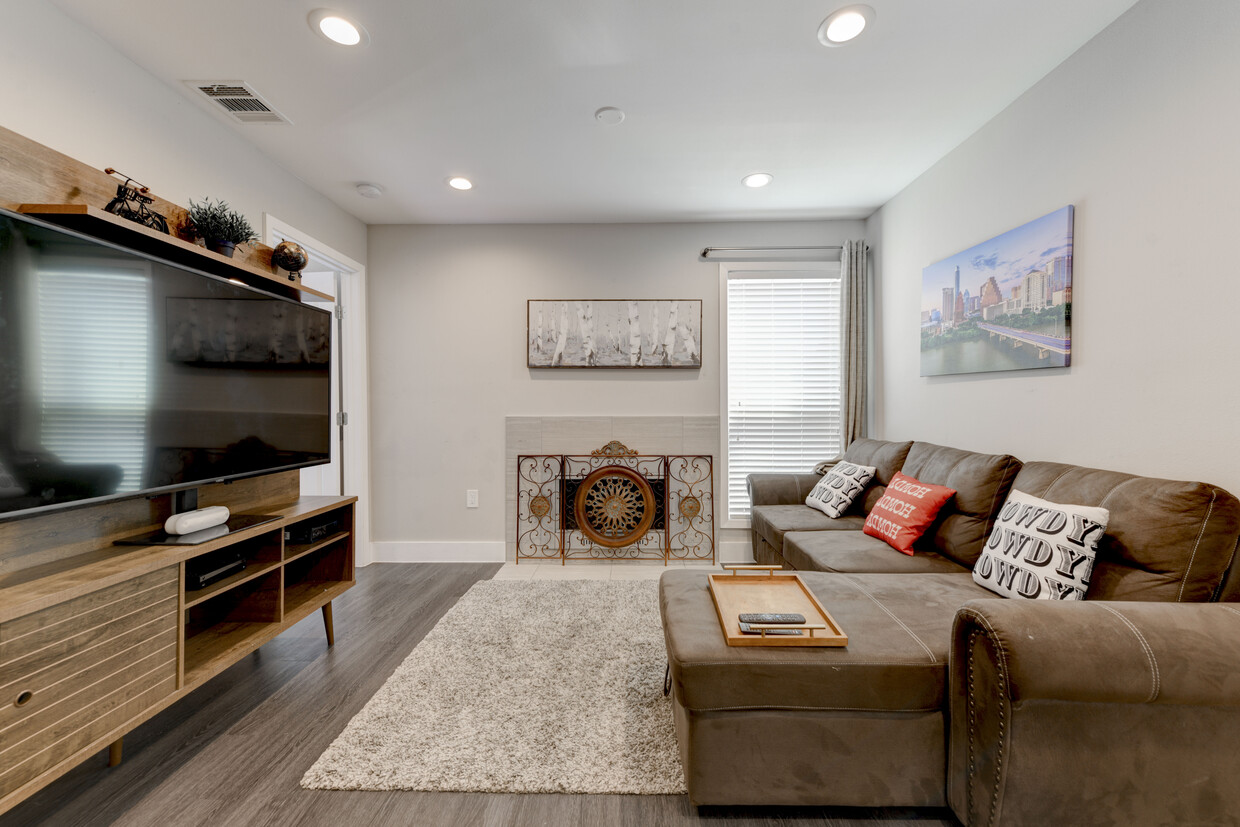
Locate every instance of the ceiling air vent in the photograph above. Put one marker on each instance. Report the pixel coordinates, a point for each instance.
(235, 97)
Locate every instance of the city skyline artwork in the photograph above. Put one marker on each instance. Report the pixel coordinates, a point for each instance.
(1004, 304)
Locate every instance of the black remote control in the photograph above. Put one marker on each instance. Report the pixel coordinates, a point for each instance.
(768, 617)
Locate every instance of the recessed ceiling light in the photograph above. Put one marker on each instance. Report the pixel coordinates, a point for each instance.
(337, 28)
(842, 25)
(758, 179)
(369, 190)
(459, 183)
(609, 115)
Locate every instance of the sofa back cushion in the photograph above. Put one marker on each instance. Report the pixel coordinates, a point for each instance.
(1166, 540)
(886, 457)
(982, 482)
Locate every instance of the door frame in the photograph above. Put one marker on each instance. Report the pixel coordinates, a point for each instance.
(354, 373)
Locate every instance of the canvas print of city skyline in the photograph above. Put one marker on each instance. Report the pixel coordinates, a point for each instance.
(606, 333)
(1004, 304)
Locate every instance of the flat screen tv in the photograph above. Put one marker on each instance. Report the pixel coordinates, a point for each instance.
(124, 375)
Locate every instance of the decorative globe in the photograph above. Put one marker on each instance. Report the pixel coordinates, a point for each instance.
(289, 255)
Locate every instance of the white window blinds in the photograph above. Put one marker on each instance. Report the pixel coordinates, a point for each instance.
(89, 320)
(783, 378)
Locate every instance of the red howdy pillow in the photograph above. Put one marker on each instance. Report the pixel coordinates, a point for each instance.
(905, 511)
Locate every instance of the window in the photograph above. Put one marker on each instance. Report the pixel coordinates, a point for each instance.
(90, 318)
(782, 380)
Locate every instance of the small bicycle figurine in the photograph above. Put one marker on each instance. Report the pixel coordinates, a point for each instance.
(131, 202)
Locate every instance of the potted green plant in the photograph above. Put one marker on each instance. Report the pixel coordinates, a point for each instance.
(220, 227)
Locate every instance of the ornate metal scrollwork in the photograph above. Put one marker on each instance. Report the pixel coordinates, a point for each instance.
(615, 504)
(615, 448)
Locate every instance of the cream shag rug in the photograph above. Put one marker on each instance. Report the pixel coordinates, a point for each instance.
(522, 687)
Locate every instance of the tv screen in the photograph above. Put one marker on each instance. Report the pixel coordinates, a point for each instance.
(123, 375)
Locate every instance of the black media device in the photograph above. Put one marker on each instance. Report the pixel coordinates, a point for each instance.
(309, 531)
(769, 617)
(201, 572)
(125, 375)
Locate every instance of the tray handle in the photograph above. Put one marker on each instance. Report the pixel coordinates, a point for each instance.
(812, 627)
(738, 567)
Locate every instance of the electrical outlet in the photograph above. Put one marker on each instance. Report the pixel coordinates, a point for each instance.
(471, 498)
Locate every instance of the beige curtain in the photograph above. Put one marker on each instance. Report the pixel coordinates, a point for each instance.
(856, 304)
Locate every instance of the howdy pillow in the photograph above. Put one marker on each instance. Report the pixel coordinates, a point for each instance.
(905, 511)
(1040, 550)
(839, 487)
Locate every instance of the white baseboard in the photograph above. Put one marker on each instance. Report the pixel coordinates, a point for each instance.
(409, 551)
(735, 551)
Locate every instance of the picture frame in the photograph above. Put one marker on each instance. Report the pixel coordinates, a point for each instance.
(1004, 304)
(614, 333)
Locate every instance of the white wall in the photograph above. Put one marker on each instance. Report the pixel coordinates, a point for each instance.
(67, 89)
(447, 349)
(1138, 130)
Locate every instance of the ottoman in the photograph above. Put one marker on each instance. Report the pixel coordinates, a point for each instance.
(855, 726)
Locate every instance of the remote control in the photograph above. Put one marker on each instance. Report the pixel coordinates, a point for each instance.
(749, 630)
(768, 617)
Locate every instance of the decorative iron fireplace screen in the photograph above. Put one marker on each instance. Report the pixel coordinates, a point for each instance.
(615, 504)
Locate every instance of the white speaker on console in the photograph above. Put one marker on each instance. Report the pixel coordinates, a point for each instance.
(191, 521)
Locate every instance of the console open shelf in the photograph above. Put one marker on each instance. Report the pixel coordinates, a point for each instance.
(292, 551)
(193, 598)
(213, 650)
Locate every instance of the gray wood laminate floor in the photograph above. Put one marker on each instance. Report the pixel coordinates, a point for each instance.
(232, 752)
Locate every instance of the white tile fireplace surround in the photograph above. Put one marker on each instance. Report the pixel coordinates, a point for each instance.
(583, 434)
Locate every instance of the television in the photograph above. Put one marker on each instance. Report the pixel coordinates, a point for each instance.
(126, 375)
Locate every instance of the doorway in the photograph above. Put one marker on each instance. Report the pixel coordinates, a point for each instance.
(348, 472)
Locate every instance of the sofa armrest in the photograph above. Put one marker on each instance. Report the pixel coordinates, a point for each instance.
(1039, 691)
(1107, 651)
(780, 489)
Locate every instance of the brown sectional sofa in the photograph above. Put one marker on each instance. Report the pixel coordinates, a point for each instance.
(1124, 708)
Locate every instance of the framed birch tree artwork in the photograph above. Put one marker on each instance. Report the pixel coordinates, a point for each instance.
(610, 333)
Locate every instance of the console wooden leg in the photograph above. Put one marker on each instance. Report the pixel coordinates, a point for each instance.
(327, 624)
(114, 752)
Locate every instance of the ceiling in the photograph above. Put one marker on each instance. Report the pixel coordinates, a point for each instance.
(504, 93)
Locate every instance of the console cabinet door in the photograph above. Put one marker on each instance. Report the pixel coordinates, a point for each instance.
(73, 673)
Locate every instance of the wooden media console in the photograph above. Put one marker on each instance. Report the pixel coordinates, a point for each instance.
(96, 638)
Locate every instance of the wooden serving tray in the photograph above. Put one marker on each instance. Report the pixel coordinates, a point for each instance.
(771, 592)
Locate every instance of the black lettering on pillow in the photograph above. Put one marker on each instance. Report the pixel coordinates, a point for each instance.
(1082, 528)
(1061, 590)
(1039, 553)
(1029, 585)
(1069, 559)
(1054, 522)
(1005, 573)
(985, 566)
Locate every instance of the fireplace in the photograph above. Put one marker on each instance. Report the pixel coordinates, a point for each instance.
(615, 504)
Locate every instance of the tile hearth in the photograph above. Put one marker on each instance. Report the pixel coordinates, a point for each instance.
(594, 570)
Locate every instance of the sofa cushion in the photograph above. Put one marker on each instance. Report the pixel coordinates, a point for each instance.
(886, 457)
(771, 522)
(839, 487)
(1166, 540)
(1040, 550)
(858, 553)
(982, 482)
(899, 632)
(906, 511)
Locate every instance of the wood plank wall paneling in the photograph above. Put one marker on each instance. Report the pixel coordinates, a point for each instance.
(67, 535)
(31, 173)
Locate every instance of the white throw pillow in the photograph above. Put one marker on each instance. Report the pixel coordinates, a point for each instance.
(1040, 550)
(839, 487)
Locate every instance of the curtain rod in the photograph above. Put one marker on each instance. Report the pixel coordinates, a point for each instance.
(706, 251)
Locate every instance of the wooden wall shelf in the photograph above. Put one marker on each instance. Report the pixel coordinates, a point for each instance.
(102, 224)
